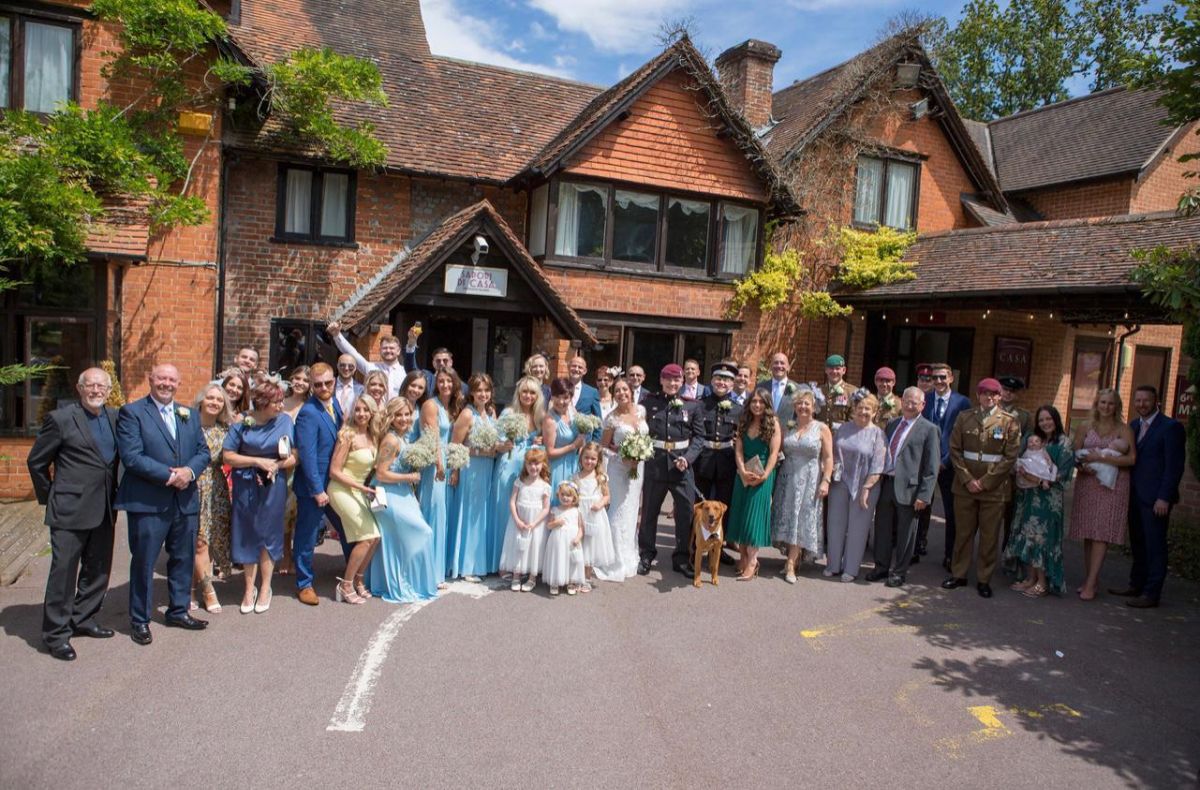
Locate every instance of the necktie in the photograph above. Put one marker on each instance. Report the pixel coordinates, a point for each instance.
(1142, 429)
(168, 415)
(775, 395)
(894, 445)
(329, 408)
(941, 409)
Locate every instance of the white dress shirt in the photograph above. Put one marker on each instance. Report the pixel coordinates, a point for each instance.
(394, 372)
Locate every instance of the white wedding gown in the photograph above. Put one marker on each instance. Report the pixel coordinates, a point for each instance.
(625, 501)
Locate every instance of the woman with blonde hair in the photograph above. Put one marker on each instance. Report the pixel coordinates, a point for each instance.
(212, 537)
(859, 454)
(376, 385)
(527, 403)
(350, 496)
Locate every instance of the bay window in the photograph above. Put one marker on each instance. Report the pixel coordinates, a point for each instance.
(885, 193)
(687, 233)
(582, 209)
(635, 227)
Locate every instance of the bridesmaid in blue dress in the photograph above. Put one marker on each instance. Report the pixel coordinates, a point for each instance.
(260, 458)
(403, 569)
(529, 403)
(473, 522)
(413, 388)
(437, 416)
(559, 435)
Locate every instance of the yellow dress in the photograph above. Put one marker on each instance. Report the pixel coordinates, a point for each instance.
(358, 522)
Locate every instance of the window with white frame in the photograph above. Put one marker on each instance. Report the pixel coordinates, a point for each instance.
(885, 193)
(315, 205)
(38, 62)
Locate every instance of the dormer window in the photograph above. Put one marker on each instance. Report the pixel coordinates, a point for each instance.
(886, 193)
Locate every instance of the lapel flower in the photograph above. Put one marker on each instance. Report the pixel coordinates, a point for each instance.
(676, 403)
(184, 412)
(838, 389)
(724, 406)
(889, 401)
(790, 389)
(791, 424)
(248, 421)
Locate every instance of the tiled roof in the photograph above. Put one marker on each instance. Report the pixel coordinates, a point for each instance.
(1102, 134)
(978, 208)
(444, 117)
(411, 266)
(983, 141)
(1035, 258)
(123, 230)
(605, 107)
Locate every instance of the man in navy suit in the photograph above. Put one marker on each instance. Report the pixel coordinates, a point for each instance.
(317, 425)
(163, 449)
(636, 376)
(693, 388)
(942, 407)
(585, 399)
(1155, 488)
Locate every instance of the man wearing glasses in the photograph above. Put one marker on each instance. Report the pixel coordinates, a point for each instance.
(79, 441)
(942, 407)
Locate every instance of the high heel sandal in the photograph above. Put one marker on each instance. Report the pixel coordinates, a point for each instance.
(341, 594)
(1035, 591)
(360, 587)
(211, 603)
(789, 572)
(745, 577)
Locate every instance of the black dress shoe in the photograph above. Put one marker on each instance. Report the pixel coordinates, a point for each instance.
(895, 580)
(63, 652)
(94, 631)
(686, 569)
(1125, 592)
(922, 550)
(188, 622)
(643, 567)
(985, 590)
(1142, 602)
(916, 559)
(140, 633)
(953, 582)
(877, 575)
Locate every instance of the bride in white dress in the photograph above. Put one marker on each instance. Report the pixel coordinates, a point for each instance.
(625, 492)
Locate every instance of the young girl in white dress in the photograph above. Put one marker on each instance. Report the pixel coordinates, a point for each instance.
(562, 559)
(526, 532)
(598, 551)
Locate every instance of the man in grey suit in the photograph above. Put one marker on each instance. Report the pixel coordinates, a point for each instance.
(778, 390)
(906, 487)
(79, 442)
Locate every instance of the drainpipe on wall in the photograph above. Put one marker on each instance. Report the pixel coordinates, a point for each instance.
(1121, 354)
(218, 319)
(849, 334)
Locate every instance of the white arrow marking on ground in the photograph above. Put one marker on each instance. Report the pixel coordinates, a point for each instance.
(351, 712)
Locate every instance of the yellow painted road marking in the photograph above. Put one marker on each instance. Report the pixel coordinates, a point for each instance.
(815, 635)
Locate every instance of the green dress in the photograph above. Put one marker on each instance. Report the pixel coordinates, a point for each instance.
(750, 515)
(1037, 528)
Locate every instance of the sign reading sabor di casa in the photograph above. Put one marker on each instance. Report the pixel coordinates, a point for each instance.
(476, 281)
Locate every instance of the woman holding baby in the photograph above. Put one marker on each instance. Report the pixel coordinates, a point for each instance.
(1100, 513)
(1042, 473)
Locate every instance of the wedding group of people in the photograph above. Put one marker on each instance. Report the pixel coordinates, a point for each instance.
(423, 478)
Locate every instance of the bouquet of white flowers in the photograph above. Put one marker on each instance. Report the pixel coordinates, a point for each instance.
(637, 447)
(586, 423)
(421, 453)
(483, 437)
(457, 456)
(512, 426)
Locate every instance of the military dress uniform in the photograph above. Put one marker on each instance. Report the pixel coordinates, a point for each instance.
(1024, 418)
(838, 407)
(675, 431)
(716, 466)
(983, 446)
(889, 410)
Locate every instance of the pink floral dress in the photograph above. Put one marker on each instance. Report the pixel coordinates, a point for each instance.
(1099, 513)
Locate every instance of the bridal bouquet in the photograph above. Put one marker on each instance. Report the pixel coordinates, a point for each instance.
(421, 453)
(457, 456)
(512, 426)
(586, 423)
(637, 447)
(483, 437)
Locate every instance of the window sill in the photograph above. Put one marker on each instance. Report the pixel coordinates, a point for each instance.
(633, 270)
(344, 245)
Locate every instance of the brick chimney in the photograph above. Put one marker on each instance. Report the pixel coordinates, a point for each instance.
(746, 73)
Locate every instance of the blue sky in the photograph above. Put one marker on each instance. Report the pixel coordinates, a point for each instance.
(600, 41)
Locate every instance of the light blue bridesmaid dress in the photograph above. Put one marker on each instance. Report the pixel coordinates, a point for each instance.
(435, 498)
(403, 568)
(471, 531)
(508, 469)
(566, 465)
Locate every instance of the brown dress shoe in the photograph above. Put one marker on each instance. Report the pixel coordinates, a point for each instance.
(307, 596)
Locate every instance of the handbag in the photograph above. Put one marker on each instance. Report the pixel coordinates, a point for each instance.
(379, 501)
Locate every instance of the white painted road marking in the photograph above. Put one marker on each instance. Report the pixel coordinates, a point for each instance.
(351, 712)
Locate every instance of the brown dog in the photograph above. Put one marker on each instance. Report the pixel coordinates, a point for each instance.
(707, 516)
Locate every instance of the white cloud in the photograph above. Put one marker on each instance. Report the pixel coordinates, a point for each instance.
(613, 25)
(838, 5)
(456, 34)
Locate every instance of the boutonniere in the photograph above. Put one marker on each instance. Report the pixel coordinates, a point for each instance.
(248, 421)
(889, 401)
(838, 389)
(791, 424)
(184, 412)
(790, 389)
(676, 403)
(724, 406)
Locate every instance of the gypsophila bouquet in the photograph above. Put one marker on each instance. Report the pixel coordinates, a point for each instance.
(421, 453)
(586, 423)
(483, 437)
(637, 447)
(457, 456)
(513, 426)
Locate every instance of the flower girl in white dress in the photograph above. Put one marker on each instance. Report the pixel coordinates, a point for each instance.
(527, 510)
(598, 550)
(562, 559)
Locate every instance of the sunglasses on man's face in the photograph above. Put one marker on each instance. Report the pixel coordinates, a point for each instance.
(939, 378)
(319, 385)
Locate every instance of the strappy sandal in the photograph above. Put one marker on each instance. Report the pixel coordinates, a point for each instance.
(345, 592)
(211, 603)
(1035, 591)
(360, 587)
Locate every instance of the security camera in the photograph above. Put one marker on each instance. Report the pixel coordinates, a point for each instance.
(481, 245)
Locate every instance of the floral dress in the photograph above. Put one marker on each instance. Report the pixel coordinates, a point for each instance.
(1037, 528)
(215, 507)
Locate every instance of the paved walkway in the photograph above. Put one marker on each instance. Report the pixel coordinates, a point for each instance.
(649, 683)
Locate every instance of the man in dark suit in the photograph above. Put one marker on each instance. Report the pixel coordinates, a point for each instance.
(742, 385)
(79, 441)
(906, 488)
(163, 450)
(636, 376)
(675, 432)
(1161, 444)
(693, 388)
(942, 407)
(440, 359)
(317, 424)
(585, 399)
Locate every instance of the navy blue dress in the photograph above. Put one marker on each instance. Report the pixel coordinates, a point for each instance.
(258, 505)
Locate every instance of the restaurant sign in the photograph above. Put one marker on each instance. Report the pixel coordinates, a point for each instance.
(1013, 357)
(476, 281)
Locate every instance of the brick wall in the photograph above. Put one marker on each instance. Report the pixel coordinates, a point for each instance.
(14, 476)
(1075, 201)
(433, 201)
(1160, 187)
(747, 73)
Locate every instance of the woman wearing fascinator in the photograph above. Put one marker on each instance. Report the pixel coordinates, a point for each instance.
(605, 377)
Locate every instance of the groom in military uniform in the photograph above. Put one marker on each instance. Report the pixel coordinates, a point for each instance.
(716, 466)
(675, 430)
